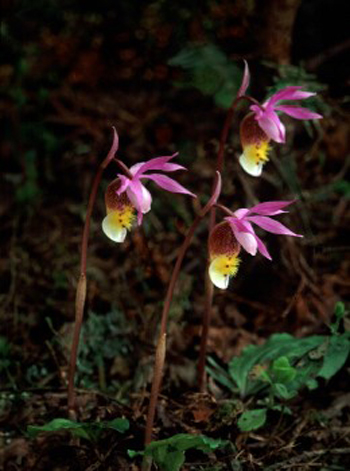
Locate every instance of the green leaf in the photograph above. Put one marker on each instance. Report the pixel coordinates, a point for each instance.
(336, 356)
(281, 391)
(89, 430)
(169, 454)
(282, 370)
(53, 426)
(120, 425)
(283, 409)
(277, 345)
(252, 420)
(209, 70)
(220, 374)
(339, 312)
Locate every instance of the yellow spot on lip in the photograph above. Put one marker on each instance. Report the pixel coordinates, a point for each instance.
(257, 153)
(226, 265)
(123, 217)
(222, 268)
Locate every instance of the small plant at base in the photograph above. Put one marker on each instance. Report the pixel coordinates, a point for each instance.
(88, 430)
(280, 368)
(169, 454)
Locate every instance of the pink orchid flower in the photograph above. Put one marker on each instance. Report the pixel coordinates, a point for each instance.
(138, 194)
(241, 225)
(263, 124)
(268, 119)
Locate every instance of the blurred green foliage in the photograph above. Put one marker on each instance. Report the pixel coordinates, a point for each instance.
(88, 430)
(169, 454)
(102, 339)
(282, 366)
(208, 70)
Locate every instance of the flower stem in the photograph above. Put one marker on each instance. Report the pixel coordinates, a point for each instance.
(209, 290)
(161, 344)
(81, 287)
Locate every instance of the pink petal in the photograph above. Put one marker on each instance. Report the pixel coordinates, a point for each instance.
(270, 225)
(239, 224)
(244, 234)
(272, 126)
(245, 80)
(257, 111)
(168, 183)
(158, 163)
(298, 112)
(288, 93)
(124, 183)
(247, 241)
(262, 248)
(140, 197)
(136, 167)
(240, 213)
(270, 208)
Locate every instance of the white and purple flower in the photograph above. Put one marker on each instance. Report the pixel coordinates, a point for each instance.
(138, 194)
(263, 124)
(237, 232)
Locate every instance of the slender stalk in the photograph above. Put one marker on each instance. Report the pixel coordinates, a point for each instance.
(208, 285)
(81, 287)
(161, 344)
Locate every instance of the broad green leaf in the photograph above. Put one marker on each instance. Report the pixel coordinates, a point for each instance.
(276, 346)
(169, 460)
(169, 454)
(53, 426)
(283, 371)
(120, 425)
(89, 431)
(210, 71)
(252, 420)
(336, 356)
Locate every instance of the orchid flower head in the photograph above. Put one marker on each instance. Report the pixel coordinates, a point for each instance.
(236, 232)
(242, 225)
(268, 119)
(263, 123)
(138, 194)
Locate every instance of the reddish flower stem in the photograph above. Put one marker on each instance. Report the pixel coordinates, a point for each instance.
(161, 344)
(209, 289)
(81, 287)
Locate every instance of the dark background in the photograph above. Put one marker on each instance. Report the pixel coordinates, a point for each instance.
(163, 73)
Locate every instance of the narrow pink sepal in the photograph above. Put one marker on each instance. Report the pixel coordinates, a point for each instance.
(288, 93)
(270, 225)
(262, 248)
(298, 112)
(168, 183)
(157, 163)
(270, 208)
(245, 80)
